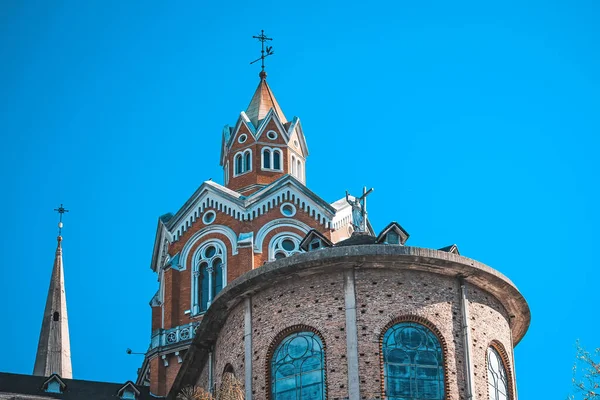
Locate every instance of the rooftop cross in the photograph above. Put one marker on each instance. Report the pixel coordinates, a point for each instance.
(359, 210)
(269, 50)
(60, 210)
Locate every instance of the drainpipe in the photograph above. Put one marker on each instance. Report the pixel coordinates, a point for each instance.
(466, 333)
(248, 347)
(210, 372)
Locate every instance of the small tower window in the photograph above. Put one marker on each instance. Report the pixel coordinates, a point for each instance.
(209, 275)
(293, 166)
(238, 164)
(315, 244)
(497, 380)
(55, 316)
(277, 160)
(247, 161)
(267, 158)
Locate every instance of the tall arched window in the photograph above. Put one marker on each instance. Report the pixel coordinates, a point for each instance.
(283, 246)
(277, 159)
(247, 160)
(238, 164)
(299, 171)
(209, 274)
(266, 159)
(298, 368)
(497, 377)
(293, 166)
(412, 362)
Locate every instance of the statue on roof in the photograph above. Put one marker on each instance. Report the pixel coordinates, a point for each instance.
(359, 210)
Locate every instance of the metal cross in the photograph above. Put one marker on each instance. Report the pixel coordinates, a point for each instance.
(263, 38)
(60, 210)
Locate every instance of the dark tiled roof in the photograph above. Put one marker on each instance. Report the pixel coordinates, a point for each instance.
(450, 249)
(357, 239)
(75, 389)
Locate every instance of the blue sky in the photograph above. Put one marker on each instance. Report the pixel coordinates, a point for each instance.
(477, 123)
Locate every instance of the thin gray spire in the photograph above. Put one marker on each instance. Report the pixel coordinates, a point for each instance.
(54, 348)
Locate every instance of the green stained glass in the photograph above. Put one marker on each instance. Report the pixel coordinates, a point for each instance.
(413, 363)
(298, 368)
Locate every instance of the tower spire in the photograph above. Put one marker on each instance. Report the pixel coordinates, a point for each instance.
(54, 348)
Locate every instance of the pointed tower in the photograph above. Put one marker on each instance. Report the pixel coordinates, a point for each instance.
(54, 348)
(263, 145)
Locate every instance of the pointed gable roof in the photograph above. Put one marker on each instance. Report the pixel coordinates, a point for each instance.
(54, 348)
(263, 101)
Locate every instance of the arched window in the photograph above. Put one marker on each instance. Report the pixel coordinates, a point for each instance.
(412, 363)
(266, 159)
(209, 274)
(497, 378)
(298, 368)
(283, 246)
(293, 166)
(247, 160)
(238, 164)
(299, 172)
(277, 159)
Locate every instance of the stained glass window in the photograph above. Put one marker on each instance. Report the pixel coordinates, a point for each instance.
(497, 382)
(413, 363)
(298, 368)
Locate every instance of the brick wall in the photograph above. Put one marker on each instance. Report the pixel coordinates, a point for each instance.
(382, 295)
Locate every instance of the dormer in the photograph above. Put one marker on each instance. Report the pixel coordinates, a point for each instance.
(263, 145)
(128, 391)
(393, 234)
(451, 249)
(314, 240)
(54, 384)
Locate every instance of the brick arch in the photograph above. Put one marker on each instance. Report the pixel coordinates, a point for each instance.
(278, 339)
(427, 324)
(499, 347)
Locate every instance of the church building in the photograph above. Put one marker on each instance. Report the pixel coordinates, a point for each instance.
(300, 298)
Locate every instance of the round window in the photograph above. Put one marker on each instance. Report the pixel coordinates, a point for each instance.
(288, 245)
(209, 217)
(288, 209)
(242, 138)
(296, 143)
(272, 135)
(210, 251)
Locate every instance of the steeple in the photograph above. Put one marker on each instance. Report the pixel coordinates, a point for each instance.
(54, 348)
(262, 101)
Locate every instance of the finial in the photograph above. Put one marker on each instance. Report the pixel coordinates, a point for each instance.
(60, 210)
(262, 75)
(262, 38)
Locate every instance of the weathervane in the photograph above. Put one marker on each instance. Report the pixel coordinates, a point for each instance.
(269, 50)
(60, 210)
(359, 210)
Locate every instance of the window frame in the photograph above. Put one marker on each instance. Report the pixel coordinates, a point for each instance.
(272, 151)
(433, 329)
(505, 362)
(276, 342)
(242, 162)
(197, 283)
(280, 237)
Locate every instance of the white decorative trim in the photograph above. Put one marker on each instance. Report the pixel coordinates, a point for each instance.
(165, 361)
(277, 223)
(222, 229)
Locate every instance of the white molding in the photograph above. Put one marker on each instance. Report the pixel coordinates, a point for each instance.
(222, 229)
(277, 223)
